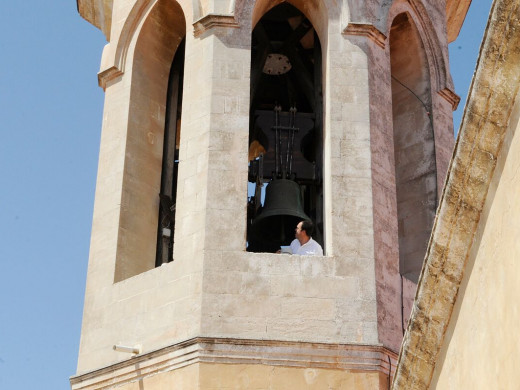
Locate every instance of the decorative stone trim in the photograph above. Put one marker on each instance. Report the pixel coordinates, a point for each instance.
(366, 30)
(451, 97)
(358, 357)
(213, 20)
(478, 146)
(108, 75)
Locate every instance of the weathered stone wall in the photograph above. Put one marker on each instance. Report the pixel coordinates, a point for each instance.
(282, 297)
(481, 346)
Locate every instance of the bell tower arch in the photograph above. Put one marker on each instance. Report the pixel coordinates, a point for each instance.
(414, 144)
(286, 129)
(154, 53)
(349, 102)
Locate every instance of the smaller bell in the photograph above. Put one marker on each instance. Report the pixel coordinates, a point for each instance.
(283, 209)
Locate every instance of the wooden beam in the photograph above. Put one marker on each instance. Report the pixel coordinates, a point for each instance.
(264, 48)
(302, 75)
(297, 34)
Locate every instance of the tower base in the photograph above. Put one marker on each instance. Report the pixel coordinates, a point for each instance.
(222, 363)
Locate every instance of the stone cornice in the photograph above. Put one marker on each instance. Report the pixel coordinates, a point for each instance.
(451, 97)
(486, 116)
(366, 30)
(108, 75)
(239, 351)
(213, 20)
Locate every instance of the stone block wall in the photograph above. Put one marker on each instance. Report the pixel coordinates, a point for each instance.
(283, 297)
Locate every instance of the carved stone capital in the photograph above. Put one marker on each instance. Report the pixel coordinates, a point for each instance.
(107, 75)
(213, 20)
(366, 30)
(450, 96)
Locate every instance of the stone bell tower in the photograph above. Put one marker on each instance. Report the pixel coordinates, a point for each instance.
(193, 89)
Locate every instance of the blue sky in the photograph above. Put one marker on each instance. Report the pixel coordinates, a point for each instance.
(51, 111)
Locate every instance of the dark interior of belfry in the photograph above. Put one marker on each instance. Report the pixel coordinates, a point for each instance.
(285, 130)
(170, 162)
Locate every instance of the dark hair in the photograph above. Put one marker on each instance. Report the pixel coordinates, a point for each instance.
(308, 226)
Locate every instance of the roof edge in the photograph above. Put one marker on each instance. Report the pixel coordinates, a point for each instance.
(456, 11)
(98, 13)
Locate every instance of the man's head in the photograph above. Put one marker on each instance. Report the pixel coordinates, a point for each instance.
(304, 231)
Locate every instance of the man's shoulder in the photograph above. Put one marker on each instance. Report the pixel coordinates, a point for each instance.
(317, 247)
(295, 244)
(312, 241)
(312, 247)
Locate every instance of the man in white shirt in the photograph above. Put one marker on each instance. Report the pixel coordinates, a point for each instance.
(303, 244)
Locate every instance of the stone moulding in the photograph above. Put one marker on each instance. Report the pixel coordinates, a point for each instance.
(360, 357)
(115, 62)
(451, 97)
(366, 30)
(108, 75)
(213, 20)
(439, 71)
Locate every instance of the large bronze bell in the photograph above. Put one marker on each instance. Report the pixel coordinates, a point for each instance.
(276, 223)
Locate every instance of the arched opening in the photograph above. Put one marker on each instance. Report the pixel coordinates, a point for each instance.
(285, 129)
(160, 38)
(414, 145)
(170, 159)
